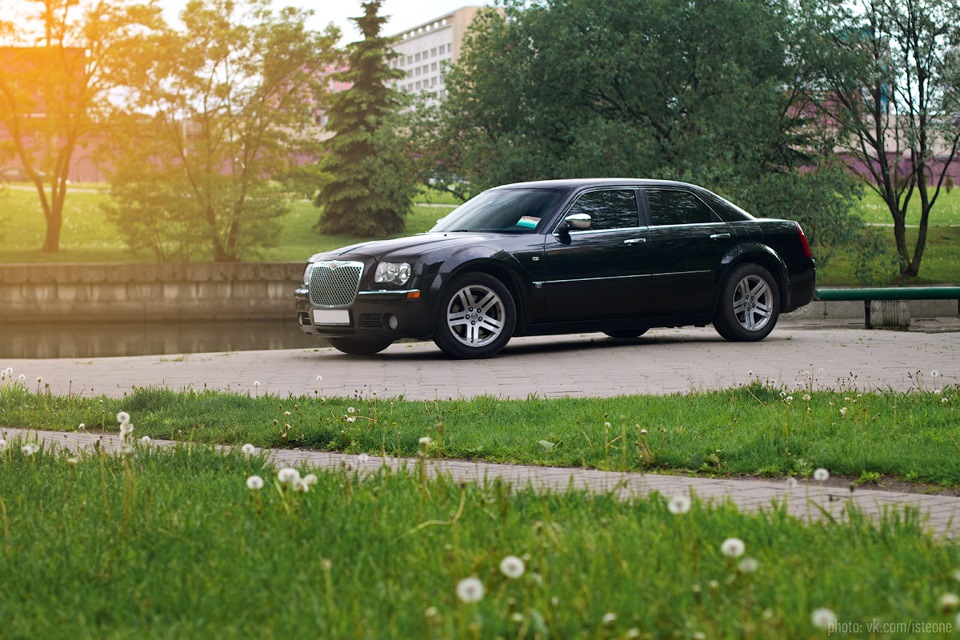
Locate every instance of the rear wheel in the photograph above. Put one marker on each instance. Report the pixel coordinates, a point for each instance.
(626, 334)
(358, 346)
(749, 304)
(477, 317)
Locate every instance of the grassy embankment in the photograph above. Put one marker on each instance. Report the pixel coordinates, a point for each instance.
(88, 237)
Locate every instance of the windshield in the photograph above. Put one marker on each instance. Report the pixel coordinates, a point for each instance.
(503, 210)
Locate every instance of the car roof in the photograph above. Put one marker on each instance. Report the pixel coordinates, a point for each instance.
(579, 183)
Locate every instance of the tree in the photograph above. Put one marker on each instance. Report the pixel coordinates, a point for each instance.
(705, 91)
(64, 59)
(370, 179)
(230, 102)
(894, 97)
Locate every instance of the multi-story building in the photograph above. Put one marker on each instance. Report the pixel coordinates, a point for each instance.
(425, 52)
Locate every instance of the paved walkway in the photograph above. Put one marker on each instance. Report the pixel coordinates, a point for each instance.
(665, 361)
(809, 501)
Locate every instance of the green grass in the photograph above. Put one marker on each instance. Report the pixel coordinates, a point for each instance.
(751, 430)
(89, 237)
(945, 212)
(172, 544)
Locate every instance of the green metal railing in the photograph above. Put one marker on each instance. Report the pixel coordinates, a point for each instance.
(888, 293)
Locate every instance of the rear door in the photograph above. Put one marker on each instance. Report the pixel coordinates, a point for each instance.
(687, 243)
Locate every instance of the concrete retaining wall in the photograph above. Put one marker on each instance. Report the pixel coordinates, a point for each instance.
(222, 292)
(148, 292)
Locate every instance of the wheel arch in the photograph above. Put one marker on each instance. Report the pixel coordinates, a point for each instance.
(759, 254)
(495, 269)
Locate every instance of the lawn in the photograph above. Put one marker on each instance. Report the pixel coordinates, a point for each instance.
(89, 237)
(755, 430)
(173, 544)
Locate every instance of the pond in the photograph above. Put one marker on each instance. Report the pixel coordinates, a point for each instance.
(88, 340)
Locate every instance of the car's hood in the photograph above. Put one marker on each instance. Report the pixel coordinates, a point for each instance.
(407, 248)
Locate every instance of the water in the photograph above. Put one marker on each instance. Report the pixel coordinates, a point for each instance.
(87, 340)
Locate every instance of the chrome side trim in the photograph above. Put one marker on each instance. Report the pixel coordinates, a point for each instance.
(392, 293)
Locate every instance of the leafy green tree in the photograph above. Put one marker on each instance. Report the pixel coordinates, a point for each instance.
(890, 83)
(708, 91)
(59, 62)
(233, 97)
(370, 176)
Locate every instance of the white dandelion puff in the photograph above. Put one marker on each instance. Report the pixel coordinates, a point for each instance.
(949, 601)
(748, 565)
(351, 410)
(255, 483)
(3, 444)
(733, 547)
(248, 449)
(123, 417)
(679, 504)
(512, 567)
(470, 590)
(351, 419)
(426, 441)
(791, 483)
(823, 618)
(310, 479)
(608, 619)
(288, 475)
(821, 475)
(145, 440)
(29, 449)
(362, 458)
(73, 461)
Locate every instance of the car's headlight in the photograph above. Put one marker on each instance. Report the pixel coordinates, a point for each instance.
(308, 272)
(392, 272)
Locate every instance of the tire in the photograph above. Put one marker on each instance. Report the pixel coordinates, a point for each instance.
(358, 346)
(476, 317)
(626, 334)
(749, 304)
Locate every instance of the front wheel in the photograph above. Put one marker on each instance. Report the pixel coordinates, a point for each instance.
(477, 317)
(749, 304)
(359, 347)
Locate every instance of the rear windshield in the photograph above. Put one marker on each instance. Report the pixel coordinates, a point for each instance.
(504, 211)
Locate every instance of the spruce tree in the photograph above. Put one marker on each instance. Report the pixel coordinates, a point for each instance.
(368, 164)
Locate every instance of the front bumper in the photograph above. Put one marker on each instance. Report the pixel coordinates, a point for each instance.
(383, 314)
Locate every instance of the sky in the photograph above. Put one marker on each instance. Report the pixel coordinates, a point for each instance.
(401, 14)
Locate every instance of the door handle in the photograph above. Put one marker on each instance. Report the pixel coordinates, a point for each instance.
(719, 236)
(635, 241)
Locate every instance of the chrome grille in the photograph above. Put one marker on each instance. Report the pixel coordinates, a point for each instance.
(334, 283)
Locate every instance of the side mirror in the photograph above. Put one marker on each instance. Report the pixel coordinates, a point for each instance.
(578, 221)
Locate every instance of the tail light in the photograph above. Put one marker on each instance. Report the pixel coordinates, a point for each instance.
(803, 241)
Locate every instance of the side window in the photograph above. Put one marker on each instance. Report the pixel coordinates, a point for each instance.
(677, 207)
(608, 209)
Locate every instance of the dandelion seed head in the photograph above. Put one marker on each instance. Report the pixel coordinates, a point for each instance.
(935, 373)
(791, 483)
(843, 411)
(255, 483)
(3, 444)
(81, 426)
(29, 449)
(288, 475)
(310, 479)
(470, 590)
(362, 458)
(22, 378)
(350, 410)
(517, 617)
(123, 417)
(319, 378)
(823, 618)
(248, 449)
(426, 441)
(733, 547)
(73, 461)
(679, 504)
(608, 619)
(748, 565)
(949, 602)
(145, 440)
(821, 475)
(512, 567)
(806, 397)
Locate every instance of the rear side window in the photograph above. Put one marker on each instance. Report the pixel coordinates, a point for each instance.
(608, 209)
(677, 207)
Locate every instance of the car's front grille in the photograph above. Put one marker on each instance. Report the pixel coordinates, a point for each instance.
(334, 283)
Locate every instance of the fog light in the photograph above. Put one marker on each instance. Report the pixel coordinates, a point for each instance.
(390, 321)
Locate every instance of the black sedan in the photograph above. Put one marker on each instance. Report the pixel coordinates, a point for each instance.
(561, 256)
